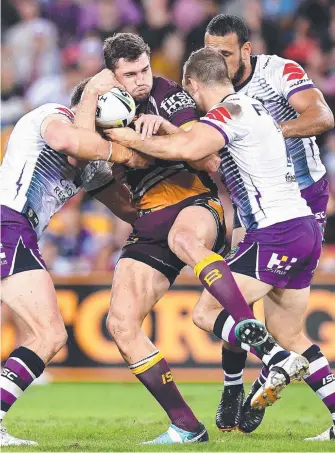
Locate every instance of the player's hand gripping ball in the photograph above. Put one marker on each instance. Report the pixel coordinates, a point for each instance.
(116, 108)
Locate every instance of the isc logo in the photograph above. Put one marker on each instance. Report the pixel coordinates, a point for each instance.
(328, 379)
(9, 374)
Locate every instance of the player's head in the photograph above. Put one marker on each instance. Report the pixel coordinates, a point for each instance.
(128, 56)
(77, 92)
(229, 34)
(206, 69)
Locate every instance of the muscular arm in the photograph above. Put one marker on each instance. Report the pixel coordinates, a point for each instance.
(116, 198)
(315, 115)
(86, 110)
(201, 141)
(63, 136)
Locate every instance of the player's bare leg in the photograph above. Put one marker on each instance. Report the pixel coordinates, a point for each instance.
(290, 307)
(31, 296)
(272, 355)
(137, 287)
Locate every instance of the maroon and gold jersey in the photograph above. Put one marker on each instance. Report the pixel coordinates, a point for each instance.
(167, 182)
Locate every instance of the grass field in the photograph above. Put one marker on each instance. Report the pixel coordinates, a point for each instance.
(116, 417)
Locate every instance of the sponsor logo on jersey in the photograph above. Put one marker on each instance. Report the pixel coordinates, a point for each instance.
(299, 82)
(294, 71)
(289, 177)
(280, 265)
(64, 192)
(177, 101)
(219, 114)
(267, 62)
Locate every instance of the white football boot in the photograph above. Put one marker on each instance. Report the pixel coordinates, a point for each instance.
(6, 440)
(293, 368)
(329, 434)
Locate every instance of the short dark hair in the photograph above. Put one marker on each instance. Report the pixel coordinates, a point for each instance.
(208, 66)
(225, 24)
(123, 45)
(78, 91)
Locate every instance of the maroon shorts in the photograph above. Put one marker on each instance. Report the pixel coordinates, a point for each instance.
(148, 242)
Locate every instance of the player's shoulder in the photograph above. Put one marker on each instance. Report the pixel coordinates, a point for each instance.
(273, 65)
(164, 86)
(171, 98)
(231, 107)
(53, 108)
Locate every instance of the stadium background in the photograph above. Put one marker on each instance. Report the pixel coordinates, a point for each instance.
(47, 47)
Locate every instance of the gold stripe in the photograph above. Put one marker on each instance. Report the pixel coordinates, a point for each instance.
(149, 364)
(199, 267)
(188, 126)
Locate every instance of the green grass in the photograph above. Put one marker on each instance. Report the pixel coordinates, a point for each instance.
(116, 417)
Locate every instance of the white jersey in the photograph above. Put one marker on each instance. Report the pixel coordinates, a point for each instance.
(36, 180)
(255, 166)
(273, 81)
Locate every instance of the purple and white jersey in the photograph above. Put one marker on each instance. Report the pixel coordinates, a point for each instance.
(35, 180)
(273, 81)
(255, 166)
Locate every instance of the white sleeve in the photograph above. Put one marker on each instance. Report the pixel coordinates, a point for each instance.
(96, 175)
(288, 77)
(226, 118)
(54, 109)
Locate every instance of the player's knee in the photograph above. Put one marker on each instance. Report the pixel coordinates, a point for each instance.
(180, 240)
(199, 316)
(59, 339)
(290, 340)
(122, 329)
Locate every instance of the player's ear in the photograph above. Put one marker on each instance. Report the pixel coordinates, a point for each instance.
(193, 85)
(246, 50)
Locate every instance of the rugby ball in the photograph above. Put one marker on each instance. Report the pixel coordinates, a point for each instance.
(116, 108)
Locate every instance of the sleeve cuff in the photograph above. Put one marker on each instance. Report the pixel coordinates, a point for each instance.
(301, 88)
(217, 128)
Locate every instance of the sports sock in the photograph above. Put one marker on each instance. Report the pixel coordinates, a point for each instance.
(321, 379)
(270, 352)
(216, 277)
(233, 364)
(19, 371)
(155, 374)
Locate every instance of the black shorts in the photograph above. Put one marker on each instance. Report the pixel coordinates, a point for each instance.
(148, 242)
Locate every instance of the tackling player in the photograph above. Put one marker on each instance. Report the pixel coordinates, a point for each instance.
(37, 178)
(260, 177)
(299, 107)
(172, 200)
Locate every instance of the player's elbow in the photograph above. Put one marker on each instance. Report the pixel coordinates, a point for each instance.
(61, 139)
(329, 121)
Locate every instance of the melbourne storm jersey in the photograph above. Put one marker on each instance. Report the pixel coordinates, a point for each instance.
(255, 165)
(273, 81)
(167, 182)
(35, 180)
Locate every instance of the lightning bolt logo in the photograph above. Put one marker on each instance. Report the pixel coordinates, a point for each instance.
(18, 182)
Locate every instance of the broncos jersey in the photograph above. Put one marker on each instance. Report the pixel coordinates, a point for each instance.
(255, 165)
(167, 182)
(273, 81)
(35, 180)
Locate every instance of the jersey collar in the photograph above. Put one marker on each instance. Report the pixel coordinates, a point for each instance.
(253, 61)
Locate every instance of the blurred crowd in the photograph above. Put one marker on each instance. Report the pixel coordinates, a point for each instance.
(48, 46)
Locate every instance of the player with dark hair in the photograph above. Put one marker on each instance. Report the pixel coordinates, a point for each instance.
(39, 174)
(301, 111)
(260, 178)
(174, 201)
